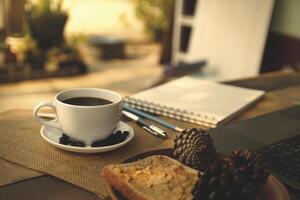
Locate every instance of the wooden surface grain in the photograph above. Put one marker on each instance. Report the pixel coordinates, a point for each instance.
(44, 188)
(20, 183)
(11, 173)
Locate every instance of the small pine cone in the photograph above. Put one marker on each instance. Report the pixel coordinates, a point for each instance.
(237, 178)
(249, 166)
(194, 147)
(216, 183)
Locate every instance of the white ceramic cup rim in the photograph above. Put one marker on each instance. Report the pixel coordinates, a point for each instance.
(59, 98)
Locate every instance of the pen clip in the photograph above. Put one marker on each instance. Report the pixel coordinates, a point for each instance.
(158, 131)
(151, 131)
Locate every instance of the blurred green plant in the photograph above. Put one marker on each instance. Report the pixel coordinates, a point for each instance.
(46, 22)
(155, 16)
(46, 6)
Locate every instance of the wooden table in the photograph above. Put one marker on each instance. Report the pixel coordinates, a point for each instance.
(18, 182)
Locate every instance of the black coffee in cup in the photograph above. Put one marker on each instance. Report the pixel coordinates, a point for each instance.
(86, 101)
(86, 114)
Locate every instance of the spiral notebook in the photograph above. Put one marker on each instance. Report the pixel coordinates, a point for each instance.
(196, 101)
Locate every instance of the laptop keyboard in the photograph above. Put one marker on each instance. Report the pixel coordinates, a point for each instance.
(283, 158)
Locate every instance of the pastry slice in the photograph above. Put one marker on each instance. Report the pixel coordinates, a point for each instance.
(153, 178)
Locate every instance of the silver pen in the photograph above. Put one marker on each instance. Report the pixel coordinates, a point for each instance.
(150, 128)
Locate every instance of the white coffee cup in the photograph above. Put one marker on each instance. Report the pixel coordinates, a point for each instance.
(84, 123)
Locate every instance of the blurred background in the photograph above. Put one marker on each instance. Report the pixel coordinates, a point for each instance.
(131, 45)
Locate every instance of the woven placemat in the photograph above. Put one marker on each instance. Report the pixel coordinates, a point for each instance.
(21, 143)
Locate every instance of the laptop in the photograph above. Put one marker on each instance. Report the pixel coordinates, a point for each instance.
(276, 136)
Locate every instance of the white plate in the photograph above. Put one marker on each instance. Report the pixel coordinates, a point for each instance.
(52, 135)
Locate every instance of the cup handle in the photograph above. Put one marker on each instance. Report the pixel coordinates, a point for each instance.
(41, 120)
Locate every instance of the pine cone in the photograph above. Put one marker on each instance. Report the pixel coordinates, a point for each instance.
(249, 165)
(237, 178)
(194, 147)
(216, 183)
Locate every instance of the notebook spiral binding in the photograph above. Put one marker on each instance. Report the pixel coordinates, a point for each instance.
(178, 114)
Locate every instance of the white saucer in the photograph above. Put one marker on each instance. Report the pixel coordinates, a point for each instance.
(52, 135)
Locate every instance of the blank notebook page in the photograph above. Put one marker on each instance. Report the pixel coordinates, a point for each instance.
(203, 97)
